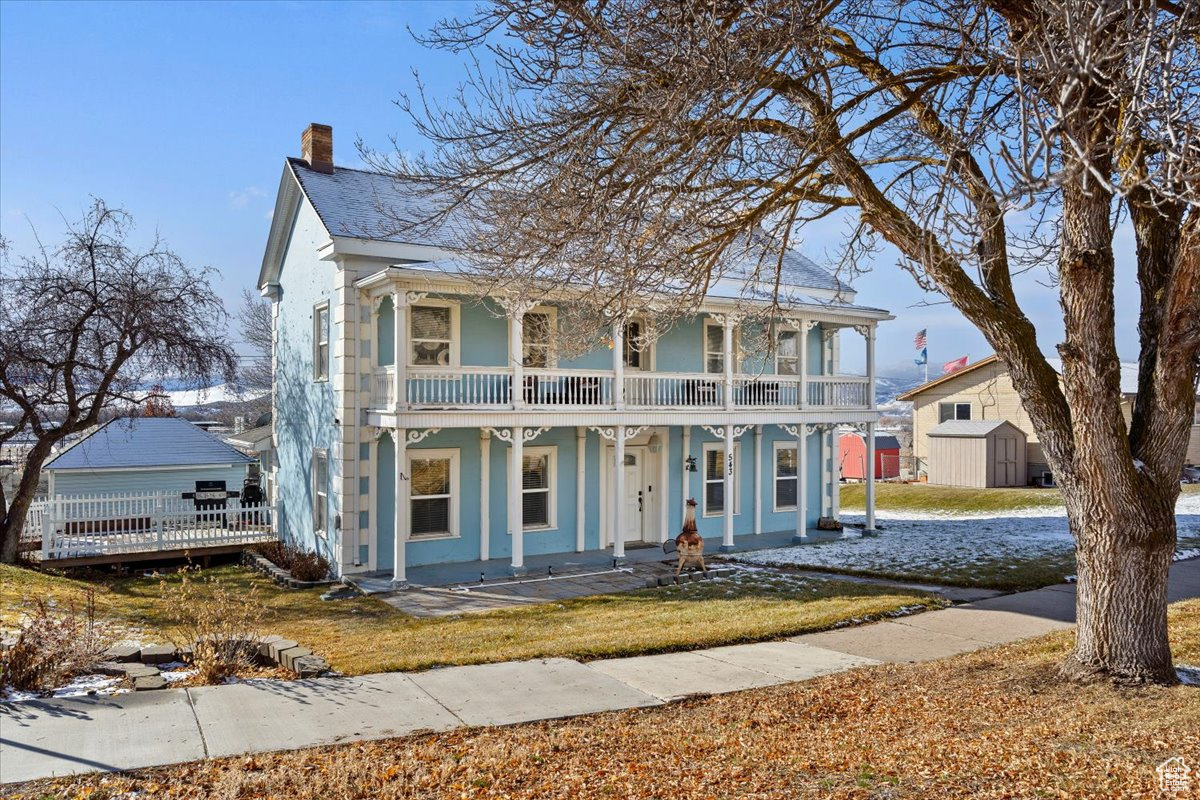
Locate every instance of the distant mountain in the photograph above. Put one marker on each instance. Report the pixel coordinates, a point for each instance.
(888, 386)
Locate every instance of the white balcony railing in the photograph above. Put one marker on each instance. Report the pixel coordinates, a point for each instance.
(492, 388)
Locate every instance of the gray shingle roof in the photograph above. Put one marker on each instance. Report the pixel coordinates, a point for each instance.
(971, 428)
(147, 442)
(370, 205)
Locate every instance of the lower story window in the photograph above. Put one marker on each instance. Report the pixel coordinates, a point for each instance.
(320, 484)
(537, 487)
(434, 481)
(786, 480)
(715, 465)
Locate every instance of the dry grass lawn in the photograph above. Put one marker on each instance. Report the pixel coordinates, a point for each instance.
(993, 724)
(950, 499)
(363, 635)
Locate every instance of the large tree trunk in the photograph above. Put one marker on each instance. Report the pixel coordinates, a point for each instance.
(13, 521)
(1124, 553)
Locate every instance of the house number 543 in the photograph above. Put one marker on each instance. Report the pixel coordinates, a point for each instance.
(729, 462)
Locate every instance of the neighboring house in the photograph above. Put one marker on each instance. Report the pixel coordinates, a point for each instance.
(256, 443)
(984, 391)
(853, 452)
(416, 425)
(146, 455)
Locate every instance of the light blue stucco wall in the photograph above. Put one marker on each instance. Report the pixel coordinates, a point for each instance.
(146, 481)
(561, 539)
(304, 407)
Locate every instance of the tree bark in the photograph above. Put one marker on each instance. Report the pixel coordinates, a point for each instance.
(14, 517)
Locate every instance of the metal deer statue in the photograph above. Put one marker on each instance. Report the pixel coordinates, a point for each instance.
(689, 545)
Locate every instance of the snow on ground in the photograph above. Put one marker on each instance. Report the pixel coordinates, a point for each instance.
(956, 544)
(79, 687)
(1188, 675)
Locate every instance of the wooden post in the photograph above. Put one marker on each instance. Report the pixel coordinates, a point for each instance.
(516, 357)
(516, 517)
(619, 493)
(727, 350)
(870, 524)
(618, 362)
(757, 480)
(801, 535)
(580, 487)
(399, 353)
(485, 494)
(400, 511)
(730, 483)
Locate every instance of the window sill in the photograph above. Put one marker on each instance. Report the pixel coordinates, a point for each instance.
(782, 509)
(535, 529)
(432, 537)
(716, 514)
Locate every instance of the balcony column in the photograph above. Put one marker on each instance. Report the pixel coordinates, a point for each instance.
(870, 524)
(730, 468)
(516, 517)
(618, 353)
(516, 355)
(618, 483)
(870, 337)
(400, 510)
(399, 350)
(801, 535)
(802, 343)
(757, 480)
(727, 354)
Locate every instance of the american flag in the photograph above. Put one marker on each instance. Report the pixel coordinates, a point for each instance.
(919, 340)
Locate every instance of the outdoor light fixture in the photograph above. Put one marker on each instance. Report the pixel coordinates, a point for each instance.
(690, 464)
(655, 443)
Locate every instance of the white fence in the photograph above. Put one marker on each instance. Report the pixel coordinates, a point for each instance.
(88, 526)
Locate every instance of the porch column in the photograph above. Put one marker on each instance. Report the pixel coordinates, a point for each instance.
(835, 473)
(516, 357)
(399, 351)
(618, 363)
(870, 526)
(400, 515)
(801, 535)
(485, 494)
(619, 493)
(727, 506)
(516, 521)
(824, 471)
(757, 480)
(727, 352)
(580, 487)
(686, 479)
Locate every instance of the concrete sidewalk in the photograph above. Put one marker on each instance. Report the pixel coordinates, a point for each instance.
(57, 737)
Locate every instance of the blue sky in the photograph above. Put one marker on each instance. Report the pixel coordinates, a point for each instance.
(182, 113)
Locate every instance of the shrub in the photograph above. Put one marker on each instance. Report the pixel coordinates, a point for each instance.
(54, 645)
(277, 553)
(220, 622)
(309, 566)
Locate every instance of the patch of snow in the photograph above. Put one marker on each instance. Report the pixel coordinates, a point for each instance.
(82, 686)
(178, 674)
(1187, 505)
(1185, 554)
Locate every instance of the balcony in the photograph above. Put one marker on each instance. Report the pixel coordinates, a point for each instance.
(481, 388)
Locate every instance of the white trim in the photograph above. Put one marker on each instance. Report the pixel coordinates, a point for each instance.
(320, 375)
(148, 468)
(485, 495)
(704, 479)
(580, 488)
(799, 338)
(551, 490)
(552, 345)
(455, 332)
(320, 455)
(709, 322)
(783, 444)
(648, 353)
(452, 455)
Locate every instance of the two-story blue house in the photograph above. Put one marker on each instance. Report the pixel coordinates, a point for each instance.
(415, 423)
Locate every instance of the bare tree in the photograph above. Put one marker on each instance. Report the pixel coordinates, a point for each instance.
(635, 146)
(254, 370)
(86, 326)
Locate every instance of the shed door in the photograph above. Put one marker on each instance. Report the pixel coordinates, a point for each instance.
(1006, 461)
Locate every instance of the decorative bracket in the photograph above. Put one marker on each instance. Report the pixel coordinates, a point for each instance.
(793, 430)
(503, 434)
(610, 433)
(863, 330)
(417, 436)
(415, 297)
(529, 434)
(719, 431)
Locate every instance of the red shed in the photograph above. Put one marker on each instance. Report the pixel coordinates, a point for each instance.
(853, 449)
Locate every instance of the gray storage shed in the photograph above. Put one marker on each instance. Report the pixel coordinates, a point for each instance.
(977, 453)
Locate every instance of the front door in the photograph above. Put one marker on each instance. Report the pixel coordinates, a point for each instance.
(634, 498)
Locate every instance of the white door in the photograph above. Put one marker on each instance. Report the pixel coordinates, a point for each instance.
(634, 497)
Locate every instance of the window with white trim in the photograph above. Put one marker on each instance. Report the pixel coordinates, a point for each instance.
(787, 478)
(714, 347)
(321, 342)
(433, 505)
(537, 338)
(319, 474)
(787, 353)
(431, 335)
(539, 498)
(637, 353)
(949, 411)
(715, 465)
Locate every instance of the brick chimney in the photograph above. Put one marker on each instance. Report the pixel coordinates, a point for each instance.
(316, 147)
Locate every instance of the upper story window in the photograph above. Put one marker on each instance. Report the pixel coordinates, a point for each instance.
(787, 353)
(637, 350)
(537, 338)
(433, 503)
(321, 342)
(714, 347)
(948, 411)
(432, 336)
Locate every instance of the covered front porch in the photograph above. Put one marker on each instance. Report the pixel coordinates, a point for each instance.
(450, 499)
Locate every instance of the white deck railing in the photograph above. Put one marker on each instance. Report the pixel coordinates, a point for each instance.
(492, 388)
(78, 526)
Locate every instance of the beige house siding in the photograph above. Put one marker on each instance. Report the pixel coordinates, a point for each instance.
(991, 395)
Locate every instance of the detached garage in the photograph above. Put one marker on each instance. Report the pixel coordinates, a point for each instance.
(977, 453)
